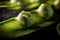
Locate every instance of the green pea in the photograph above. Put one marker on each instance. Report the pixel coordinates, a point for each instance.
(45, 11)
(57, 4)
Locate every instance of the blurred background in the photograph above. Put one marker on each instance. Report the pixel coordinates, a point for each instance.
(45, 33)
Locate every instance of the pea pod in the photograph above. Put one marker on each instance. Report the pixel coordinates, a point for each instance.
(58, 28)
(10, 5)
(19, 4)
(22, 24)
(12, 28)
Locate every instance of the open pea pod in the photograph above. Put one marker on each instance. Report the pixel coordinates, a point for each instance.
(26, 4)
(12, 28)
(23, 23)
(20, 4)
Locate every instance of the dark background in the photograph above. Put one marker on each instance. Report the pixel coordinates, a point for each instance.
(49, 32)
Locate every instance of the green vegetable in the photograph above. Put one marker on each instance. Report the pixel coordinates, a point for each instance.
(58, 28)
(19, 4)
(27, 4)
(22, 24)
